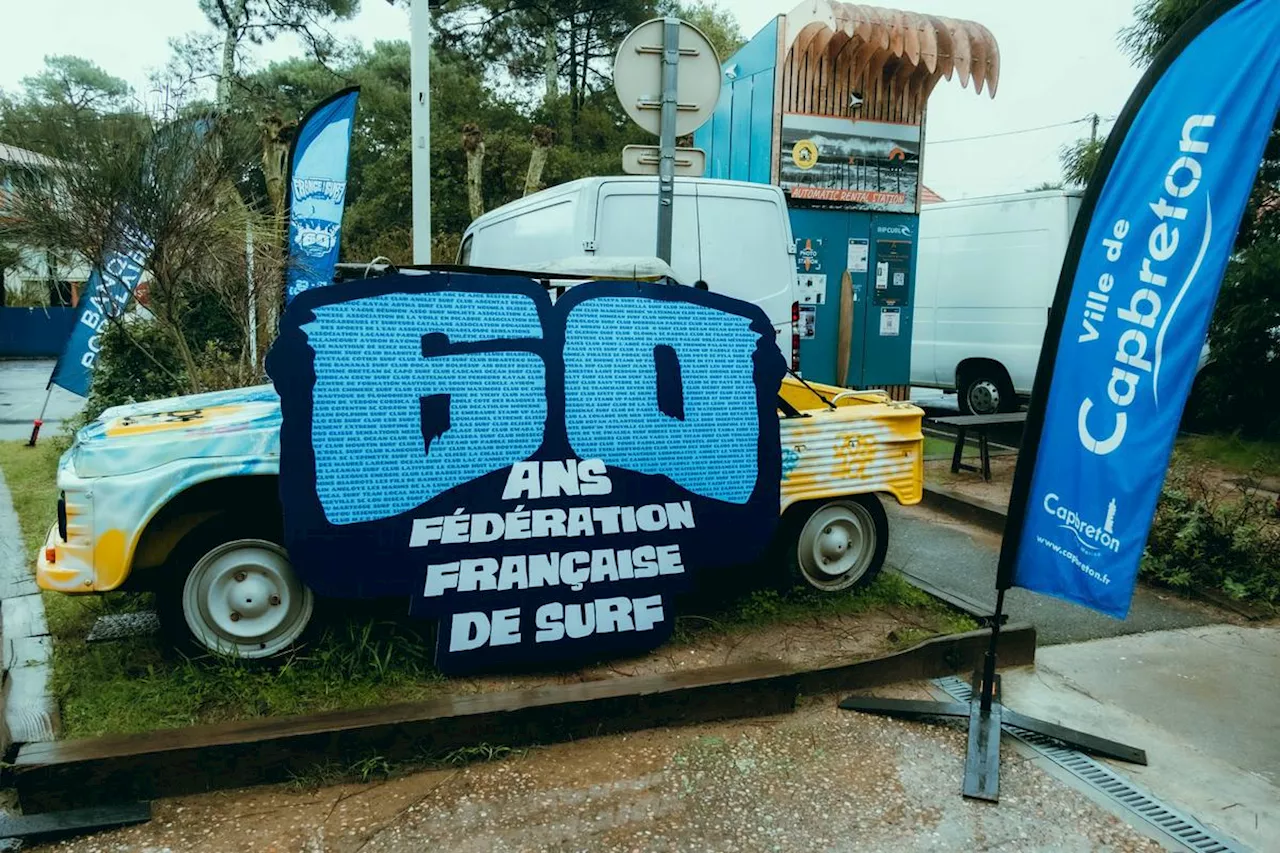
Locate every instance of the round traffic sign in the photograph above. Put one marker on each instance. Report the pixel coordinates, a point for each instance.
(637, 77)
(805, 154)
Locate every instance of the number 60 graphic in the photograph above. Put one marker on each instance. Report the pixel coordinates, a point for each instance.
(425, 383)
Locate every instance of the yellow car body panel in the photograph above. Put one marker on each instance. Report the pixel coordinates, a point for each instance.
(859, 443)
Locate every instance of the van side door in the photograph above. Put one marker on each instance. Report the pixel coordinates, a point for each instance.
(746, 251)
(627, 225)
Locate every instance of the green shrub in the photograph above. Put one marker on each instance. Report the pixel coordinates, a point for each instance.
(138, 361)
(1208, 537)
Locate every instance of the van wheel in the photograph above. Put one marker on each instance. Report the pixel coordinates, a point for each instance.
(840, 545)
(986, 391)
(241, 597)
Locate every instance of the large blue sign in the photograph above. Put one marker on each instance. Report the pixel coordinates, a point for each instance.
(106, 295)
(1152, 243)
(540, 477)
(317, 190)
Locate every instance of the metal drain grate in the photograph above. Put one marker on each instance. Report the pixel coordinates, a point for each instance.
(1179, 826)
(117, 626)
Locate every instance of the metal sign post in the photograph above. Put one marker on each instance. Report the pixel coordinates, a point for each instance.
(420, 125)
(673, 57)
(667, 133)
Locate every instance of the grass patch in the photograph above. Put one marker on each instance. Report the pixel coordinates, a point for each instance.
(139, 684)
(764, 607)
(1241, 455)
(31, 474)
(935, 447)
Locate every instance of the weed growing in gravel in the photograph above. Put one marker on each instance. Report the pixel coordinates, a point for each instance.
(480, 754)
(376, 766)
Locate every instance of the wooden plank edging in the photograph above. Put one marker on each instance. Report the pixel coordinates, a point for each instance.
(92, 771)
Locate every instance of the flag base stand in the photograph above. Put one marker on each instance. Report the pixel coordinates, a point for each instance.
(986, 716)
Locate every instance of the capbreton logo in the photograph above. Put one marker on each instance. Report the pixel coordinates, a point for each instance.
(1144, 291)
(1091, 537)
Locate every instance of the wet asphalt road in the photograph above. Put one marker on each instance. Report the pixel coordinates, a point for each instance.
(958, 557)
(22, 391)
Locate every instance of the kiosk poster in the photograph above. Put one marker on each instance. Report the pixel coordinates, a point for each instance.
(840, 162)
(542, 478)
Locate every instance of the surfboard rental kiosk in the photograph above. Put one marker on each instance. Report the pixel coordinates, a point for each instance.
(828, 102)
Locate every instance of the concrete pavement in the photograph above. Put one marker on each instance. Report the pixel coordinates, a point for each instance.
(27, 710)
(22, 391)
(1203, 702)
(961, 558)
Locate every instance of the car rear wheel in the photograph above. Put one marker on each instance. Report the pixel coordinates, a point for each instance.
(241, 597)
(840, 545)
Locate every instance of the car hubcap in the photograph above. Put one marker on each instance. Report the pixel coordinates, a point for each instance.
(836, 545)
(984, 397)
(244, 599)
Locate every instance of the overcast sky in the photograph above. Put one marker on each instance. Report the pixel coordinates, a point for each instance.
(1059, 62)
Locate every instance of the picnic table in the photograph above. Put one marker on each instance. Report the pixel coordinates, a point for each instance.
(979, 424)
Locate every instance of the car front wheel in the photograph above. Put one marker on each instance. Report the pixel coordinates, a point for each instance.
(241, 597)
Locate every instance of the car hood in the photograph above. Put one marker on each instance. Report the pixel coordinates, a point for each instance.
(237, 423)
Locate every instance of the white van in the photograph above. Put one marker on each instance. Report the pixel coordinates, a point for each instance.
(732, 236)
(985, 280)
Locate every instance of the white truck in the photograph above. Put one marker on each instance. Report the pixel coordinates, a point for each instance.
(985, 280)
(730, 237)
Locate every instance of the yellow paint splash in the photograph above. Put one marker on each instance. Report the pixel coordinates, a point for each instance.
(110, 560)
(165, 421)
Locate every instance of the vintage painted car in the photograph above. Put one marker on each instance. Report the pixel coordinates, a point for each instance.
(180, 497)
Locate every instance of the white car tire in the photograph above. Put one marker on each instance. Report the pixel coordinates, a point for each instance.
(837, 545)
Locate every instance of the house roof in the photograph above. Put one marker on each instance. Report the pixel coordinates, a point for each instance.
(22, 157)
(928, 196)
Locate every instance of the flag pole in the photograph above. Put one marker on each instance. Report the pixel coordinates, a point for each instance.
(985, 712)
(39, 421)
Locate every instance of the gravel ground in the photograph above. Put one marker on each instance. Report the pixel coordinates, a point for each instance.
(819, 779)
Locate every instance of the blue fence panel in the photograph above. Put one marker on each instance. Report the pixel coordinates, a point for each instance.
(739, 137)
(34, 332)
